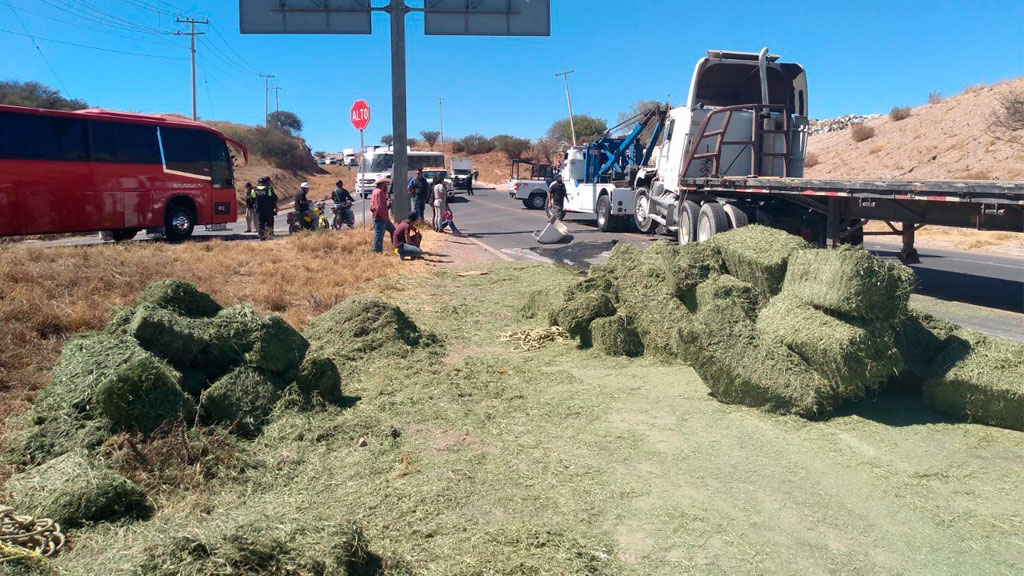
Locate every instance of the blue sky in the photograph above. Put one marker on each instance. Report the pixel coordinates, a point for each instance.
(861, 57)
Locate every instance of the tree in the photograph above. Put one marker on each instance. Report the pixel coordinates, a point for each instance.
(285, 121)
(476, 144)
(36, 95)
(545, 149)
(387, 139)
(430, 137)
(588, 129)
(511, 146)
(638, 109)
(1007, 122)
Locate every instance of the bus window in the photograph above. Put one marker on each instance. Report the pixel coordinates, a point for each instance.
(186, 152)
(128, 143)
(31, 137)
(220, 160)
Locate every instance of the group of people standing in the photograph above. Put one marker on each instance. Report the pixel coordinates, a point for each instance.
(261, 206)
(405, 238)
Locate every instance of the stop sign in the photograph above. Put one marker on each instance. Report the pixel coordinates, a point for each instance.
(360, 115)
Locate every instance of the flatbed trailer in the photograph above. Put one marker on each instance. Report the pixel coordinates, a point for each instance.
(845, 206)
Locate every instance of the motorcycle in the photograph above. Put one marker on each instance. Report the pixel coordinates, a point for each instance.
(342, 214)
(321, 216)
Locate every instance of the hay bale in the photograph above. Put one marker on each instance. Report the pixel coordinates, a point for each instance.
(242, 400)
(576, 315)
(121, 318)
(72, 490)
(658, 321)
(850, 280)
(856, 356)
(179, 297)
(230, 336)
(360, 325)
(319, 376)
(277, 348)
(539, 304)
(143, 395)
(919, 339)
(169, 335)
(617, 336)
(86, 361)
(980, 379)
(47, 430)
(758, 255)
(727, 287)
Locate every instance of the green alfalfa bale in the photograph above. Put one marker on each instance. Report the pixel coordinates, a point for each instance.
(979, 378)
(540, 303)
(728, 287)
(658, 320)
(576, 315)
(721, 343)
(242, 400)
(617, 336)
(121, 318)
(143, 395)
(278, 349)
(319, 375)
(758, 255)
(919, 338)
(169, 335)
(360, 325)
(48, 430)
(229, 337)
(179, 297)
(72, 490)
(850, 280)
(85, 361)
(856, 356)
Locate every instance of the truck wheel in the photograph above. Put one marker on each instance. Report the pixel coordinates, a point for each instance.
(687, 221)
(123, 235)
(642, 211)
(712, 220)
(737, 218)
(536, 201)
(179, 222)
(604, 214)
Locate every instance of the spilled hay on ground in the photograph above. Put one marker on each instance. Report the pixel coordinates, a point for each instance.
(768, 321)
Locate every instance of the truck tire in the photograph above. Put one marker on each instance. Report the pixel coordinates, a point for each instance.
(687, 222)
(737, 218)
(536, 201)
(642, 211)
(712, 220)
(605, 223)
(179, 221)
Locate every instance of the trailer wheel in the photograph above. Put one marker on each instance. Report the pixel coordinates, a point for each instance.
(642, 211)
(536, 201)
(687, 221)
(737, 218)
(712, 220)
(604, 214)
(179, 221)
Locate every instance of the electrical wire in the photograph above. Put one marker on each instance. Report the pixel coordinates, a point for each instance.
(206, 81)
(226, 60)
(99, 18)
(38, 49)
(91, 29)
(93, 47)
(232, 49)
(89, 6)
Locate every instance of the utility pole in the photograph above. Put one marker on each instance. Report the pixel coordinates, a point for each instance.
(266, 99)
(277, 98)
(440, 103)
(572, 123)
(192, 36)
(400, 168)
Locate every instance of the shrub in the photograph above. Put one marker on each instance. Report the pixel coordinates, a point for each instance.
(899, 113)
(430, 137)
(862, 132)
(457, 148)
(1009, 114)
(935, 97)
(36, 95)
(387, 139)
(476, 144)
(512, 147)
(811, 160)
(588, 129)
(282, 150)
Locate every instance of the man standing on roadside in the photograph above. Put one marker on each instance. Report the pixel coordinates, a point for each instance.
(266, 206)
(556, 198)
(419, 188)
(380, 205)
(251, 220)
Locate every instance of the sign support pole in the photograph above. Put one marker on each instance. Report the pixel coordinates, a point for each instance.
(362, 154)
(400, 171)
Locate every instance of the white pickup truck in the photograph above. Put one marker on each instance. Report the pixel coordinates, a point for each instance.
(532, 189)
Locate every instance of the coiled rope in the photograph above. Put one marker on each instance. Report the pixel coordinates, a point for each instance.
(26, 537)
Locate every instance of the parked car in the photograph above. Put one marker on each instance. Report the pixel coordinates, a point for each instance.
(431, 173)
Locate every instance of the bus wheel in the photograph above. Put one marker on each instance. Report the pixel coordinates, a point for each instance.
(179, 222)
(123, 235)
(712, 220)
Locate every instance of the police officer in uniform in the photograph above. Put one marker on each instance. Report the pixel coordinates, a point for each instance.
(266, 206)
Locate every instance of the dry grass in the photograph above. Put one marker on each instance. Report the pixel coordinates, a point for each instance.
(47, 295)
(899, 113)
(861, 132)
(810, 160)
(935, 97)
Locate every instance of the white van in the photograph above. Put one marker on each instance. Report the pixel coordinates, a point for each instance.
(379, 163)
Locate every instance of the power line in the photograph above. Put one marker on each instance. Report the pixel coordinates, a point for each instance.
(232, 49)
(220, 55)
(209, 98)
(115, 18)
(101, 18)
(93, 47)
(38, 49)
(90, 28)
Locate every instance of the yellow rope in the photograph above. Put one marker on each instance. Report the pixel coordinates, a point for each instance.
(528, 340)
(26, 537)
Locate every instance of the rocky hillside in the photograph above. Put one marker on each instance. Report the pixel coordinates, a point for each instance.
(947, 140)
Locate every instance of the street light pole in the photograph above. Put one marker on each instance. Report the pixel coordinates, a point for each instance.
(400, 171)
(572, 123)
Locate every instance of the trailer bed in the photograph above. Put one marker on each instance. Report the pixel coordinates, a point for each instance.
(976, 191)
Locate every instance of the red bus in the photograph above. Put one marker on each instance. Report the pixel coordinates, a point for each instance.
(98, 170)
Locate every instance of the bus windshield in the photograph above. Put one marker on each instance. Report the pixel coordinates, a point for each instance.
(378, 163)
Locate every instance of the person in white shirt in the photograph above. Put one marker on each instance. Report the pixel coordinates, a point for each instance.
(440, 202)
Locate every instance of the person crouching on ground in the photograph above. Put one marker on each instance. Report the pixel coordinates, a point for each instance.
(448, 221)
(406, 239)
(380, 205)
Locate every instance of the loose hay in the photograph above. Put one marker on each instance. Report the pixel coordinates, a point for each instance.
(856, 356)
(540, 303)
(143, 395)
(979, 378)
(758, 255)
(360, 325)
(242, 400)
(72, 490)
(617, 336)
(850, 280)
(179, 297)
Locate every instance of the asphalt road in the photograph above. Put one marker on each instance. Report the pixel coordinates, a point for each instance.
(979, 290)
